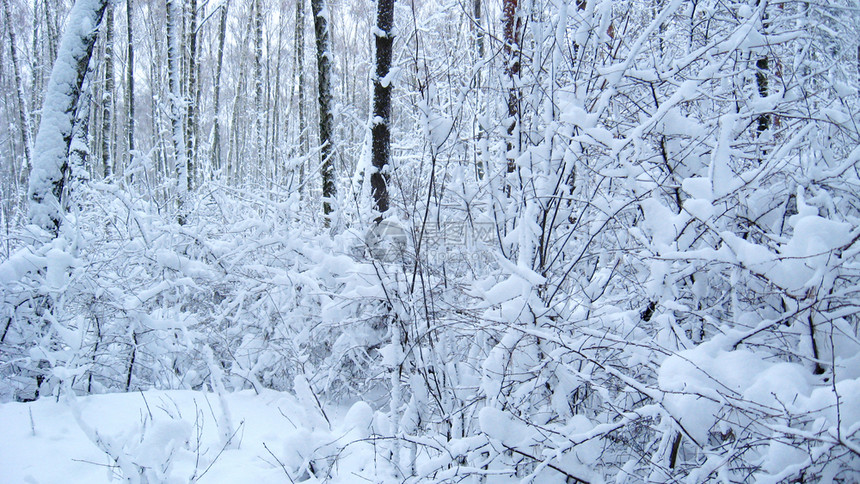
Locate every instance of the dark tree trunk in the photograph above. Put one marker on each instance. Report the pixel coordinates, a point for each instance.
(762, 65)
(320, 13)
(512, 70)
(381, 134)
(216, 127)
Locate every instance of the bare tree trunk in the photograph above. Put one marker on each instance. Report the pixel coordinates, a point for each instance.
(24, 119)
(300, 69)
(234, 168)
(180, 166)
(160, 145)
(269, 169)
(380, 131)
(50, 32)
(381, 155)
(35, 68)
(512, 70)
(258, 81)
(216, 126)
(479, 53)
(321, 20)
(107, 97)
(79, 150)
(191, 99)
(275, 113)
(129, 92)
(762, 66)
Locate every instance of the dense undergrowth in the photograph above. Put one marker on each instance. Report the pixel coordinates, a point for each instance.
(661, 286)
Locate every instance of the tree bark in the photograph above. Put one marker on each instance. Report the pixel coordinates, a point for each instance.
(35, 68)
(79, 149)
(762, 65)
(300, 69)
(320, 12)
(191, 99)
(380, 131)
(129, 92)
(512, 70)
(258, 81)
(479, 80)
(274, 124)
(107, 97)
(179, 163)
(216, 126)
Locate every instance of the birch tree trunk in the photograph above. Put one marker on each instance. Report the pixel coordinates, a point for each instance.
(300, 70)
(258, 82)
(107, 97)
(274, 140)
(191, 99)
(179, 163)
(35, 68)
(479, 151)
(129, 92)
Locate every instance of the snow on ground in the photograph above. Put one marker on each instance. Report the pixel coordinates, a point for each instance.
(183, 436)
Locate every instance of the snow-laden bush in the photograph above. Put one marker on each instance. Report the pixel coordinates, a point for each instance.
(651, 278)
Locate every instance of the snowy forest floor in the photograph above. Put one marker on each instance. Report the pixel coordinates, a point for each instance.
(184, 436)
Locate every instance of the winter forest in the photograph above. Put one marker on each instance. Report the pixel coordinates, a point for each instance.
(479, 241)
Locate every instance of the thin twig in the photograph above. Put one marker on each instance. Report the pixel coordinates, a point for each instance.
(223, 448)
(279, 462)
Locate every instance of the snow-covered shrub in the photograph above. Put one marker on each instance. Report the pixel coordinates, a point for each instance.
(649, 273)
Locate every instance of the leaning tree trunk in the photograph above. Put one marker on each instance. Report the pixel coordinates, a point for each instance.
(380, 131)
(51, 149)
(321, 13)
